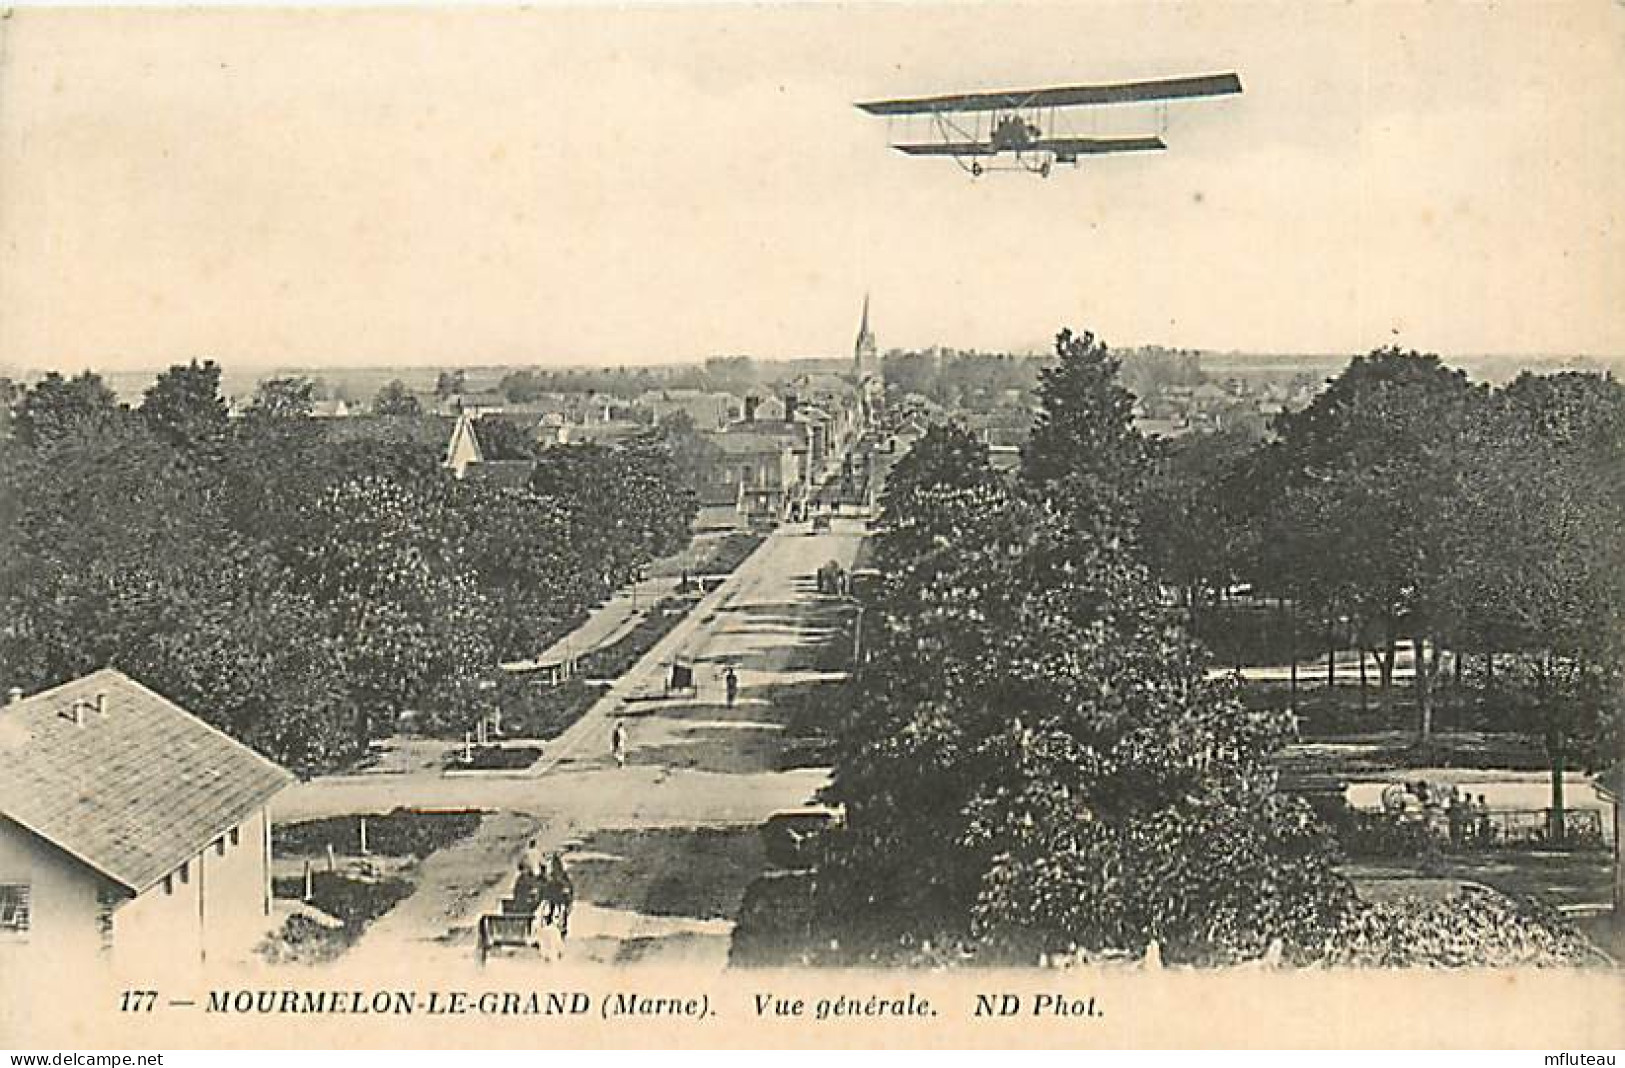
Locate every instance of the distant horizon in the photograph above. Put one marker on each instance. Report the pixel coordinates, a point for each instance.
(259, 371)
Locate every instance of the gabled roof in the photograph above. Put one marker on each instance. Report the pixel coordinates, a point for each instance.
(464, 434)
(824, 383)
(137, 789)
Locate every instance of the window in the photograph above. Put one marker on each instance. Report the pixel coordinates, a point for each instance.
(13, 908)
(106, 901)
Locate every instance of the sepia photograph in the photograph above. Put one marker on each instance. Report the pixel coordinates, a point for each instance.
(812, 524)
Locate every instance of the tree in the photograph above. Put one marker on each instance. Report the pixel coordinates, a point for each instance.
(1034, 760)
(1538, 560)
(522, 554)
(1084, 448)
(522, 386)
(184, 405)
(628, 505)
(116, 555)
(946, 456)
(450, 383)
(55, 408)
(502, 439)
(1356, 523)
(283, 398)
(395, 399)
(1194, 537)
(371, 535)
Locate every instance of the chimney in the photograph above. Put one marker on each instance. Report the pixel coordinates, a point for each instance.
(750, 408)
(790, 405)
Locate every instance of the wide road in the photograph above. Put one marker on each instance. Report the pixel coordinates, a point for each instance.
(660, 850)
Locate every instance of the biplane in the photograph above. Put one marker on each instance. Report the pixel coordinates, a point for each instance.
(1030, 125)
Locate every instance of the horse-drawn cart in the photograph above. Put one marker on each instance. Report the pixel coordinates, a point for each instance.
(534, 921)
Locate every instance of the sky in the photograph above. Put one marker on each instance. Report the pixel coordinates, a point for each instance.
(564, 185)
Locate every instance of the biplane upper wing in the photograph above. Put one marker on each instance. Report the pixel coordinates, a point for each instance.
(1060, 146)
(1062, 97)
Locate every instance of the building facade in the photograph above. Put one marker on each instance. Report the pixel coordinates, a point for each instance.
(130, 830)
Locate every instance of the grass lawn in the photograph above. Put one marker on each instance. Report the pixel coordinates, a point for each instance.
(493, 758)
(362, 888)
(399, 834)
(708, 554)
(354, 902)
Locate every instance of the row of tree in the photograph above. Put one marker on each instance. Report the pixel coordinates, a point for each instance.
(1408, 506)
(297, 592)
(1035, 761)
(982, 379)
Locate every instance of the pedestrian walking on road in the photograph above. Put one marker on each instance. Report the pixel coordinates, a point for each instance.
(730, 680)
(617, 744)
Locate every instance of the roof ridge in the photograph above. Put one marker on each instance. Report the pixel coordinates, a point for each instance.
(42, 695)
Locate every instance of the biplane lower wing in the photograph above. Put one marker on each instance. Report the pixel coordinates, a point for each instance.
(1060, 147)
(949, 148)
(1067, 148)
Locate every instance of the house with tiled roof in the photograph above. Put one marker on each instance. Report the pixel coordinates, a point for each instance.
(129, 828)
(757, 468)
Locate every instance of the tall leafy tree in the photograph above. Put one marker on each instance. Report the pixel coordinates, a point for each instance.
(56, 407)
(1193, 534)
(1539, 560)
(1084, 449)
(946, 456)
(1034, 760)
(1363, 477)
(283, 398)
(184, 405)
(502, 439)
(117, 556)
(395, 399)
(450, 383)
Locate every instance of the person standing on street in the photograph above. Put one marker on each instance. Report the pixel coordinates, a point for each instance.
(730, 680)
(617, 744)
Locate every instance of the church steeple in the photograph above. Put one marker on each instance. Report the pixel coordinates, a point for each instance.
(865, 358)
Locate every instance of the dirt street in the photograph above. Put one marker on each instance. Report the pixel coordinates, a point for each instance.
(660, 850)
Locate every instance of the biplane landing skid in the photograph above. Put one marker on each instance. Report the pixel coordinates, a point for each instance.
(976, 168)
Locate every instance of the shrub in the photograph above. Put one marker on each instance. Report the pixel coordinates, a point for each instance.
(1478, 928)
(1376, 834)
